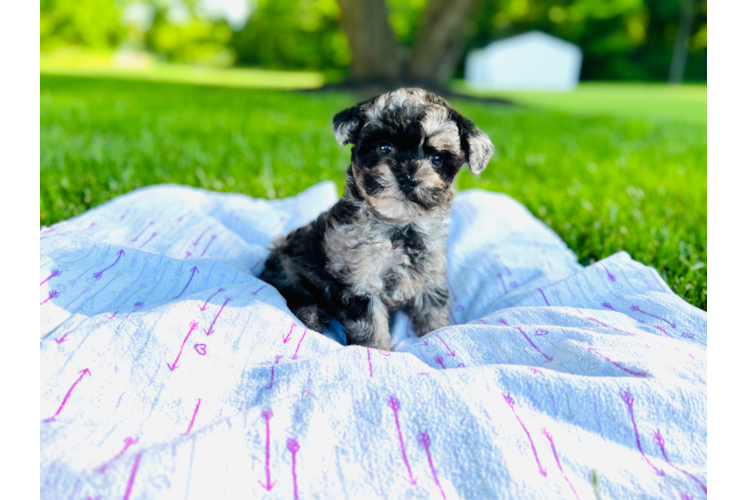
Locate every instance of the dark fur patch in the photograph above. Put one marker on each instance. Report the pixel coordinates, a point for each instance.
(391, 281)
(344, 211)
(409, 238)
(356, 307)
(372, 185)
(437, 297)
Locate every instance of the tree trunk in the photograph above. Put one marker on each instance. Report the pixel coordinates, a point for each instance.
(441, 39)
(376, 53)
(680, 50)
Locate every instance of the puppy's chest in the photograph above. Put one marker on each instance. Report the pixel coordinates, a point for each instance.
(380, 259)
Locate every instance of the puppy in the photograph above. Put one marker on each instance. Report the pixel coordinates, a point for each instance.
(382, 247)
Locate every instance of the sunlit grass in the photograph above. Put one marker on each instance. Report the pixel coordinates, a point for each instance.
(635, 100)
(142, 67)
(604, 180)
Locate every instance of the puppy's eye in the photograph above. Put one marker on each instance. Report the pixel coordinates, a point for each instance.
(385, 149)
(436, 161)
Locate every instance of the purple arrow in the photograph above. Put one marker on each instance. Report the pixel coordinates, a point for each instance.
(194, 270)
(97, 276)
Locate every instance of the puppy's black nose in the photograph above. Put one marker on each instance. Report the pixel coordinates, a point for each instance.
(407, 183)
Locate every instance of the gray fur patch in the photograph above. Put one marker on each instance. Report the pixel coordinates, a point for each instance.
(481, 150)
(343, 131)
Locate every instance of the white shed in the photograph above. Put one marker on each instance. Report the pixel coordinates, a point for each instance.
(531, 61)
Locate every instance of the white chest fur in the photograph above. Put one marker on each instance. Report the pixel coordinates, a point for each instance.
(365, 256)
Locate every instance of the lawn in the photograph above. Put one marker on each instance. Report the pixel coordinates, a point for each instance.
(608, 167)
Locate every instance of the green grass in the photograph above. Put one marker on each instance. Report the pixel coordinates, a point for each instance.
(141, 66)
(604, 175)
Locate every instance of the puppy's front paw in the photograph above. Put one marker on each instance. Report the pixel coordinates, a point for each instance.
(313, 317)
(429, 319)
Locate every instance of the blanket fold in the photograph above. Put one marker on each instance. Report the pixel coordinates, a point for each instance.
(169, 370)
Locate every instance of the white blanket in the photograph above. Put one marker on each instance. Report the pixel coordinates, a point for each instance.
(170, 371)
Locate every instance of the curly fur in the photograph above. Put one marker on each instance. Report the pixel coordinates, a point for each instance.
(382, 247)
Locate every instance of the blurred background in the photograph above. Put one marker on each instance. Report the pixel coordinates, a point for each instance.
(643, 40)
(597, 108)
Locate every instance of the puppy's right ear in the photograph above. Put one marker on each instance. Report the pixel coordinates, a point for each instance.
(347, 124)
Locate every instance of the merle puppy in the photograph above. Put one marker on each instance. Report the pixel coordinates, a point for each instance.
(382, 247)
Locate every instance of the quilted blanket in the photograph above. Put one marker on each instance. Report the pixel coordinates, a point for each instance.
(169, 370)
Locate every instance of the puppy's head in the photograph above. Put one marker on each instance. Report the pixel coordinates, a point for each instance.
(408, 145)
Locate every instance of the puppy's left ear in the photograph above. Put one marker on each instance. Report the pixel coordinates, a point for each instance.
(475, 144)
(347, 124)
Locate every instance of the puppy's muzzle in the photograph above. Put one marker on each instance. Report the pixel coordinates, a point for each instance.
(407, 183)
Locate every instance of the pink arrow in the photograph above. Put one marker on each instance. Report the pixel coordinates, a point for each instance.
(64, 337)
(137, 306)
(121, 217)
(297, 347)
(450, 287)
(608, 326)
(440, 360)
(272, 373)
(425, 440)
(628, 398)
(450, 351)
(277, 224)
(97, 276)
(611, 277)
(637, 309)
(194, 414)
(55, 272)
(141, 232)
(258, 290)
(658, 327)
(548, 358)
(193, 270)
(131, 481)
(394, 403)
(558, 462)
(212, 237)
(636, 374)
(371, 369)
(454, 321)
(543, 294)
(174, 366)
(129, 441)
(510, 402)
(286, 338)
(661, 443)
(197, 241)
(508, 271)
(210, 330)
(501, 278)
(252, 269)
(267, 415)
(153, 235)
(65, 400)
(206, 302)
(293, 446)
(52, 295)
